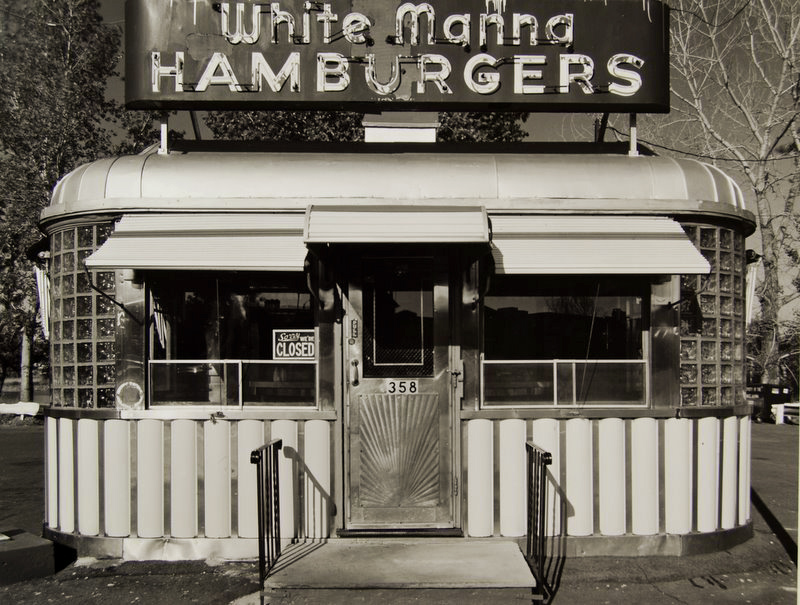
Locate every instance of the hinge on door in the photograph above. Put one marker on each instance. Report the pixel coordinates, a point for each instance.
(455, 487)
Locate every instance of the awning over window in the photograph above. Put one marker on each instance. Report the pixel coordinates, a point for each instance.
(396, 224)
(593, 244)
(235, 242)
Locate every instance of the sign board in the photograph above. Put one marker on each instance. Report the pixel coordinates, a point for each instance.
(294, 345)
(375, 55)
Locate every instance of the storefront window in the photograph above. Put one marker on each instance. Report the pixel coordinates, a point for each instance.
(565, 341)
(247, 339)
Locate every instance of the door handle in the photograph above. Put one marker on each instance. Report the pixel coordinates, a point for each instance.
(354, 373)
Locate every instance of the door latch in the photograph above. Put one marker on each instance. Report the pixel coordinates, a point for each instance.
(457, 381)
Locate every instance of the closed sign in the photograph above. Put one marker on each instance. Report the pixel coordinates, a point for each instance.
(294, 344)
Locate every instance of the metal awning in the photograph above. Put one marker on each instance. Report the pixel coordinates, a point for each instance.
(396, 224)
(233, 242)
(592, 245)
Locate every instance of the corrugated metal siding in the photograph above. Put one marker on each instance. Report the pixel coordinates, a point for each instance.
(593, 244)
(254, 242)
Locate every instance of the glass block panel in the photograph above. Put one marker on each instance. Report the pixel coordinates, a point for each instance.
(84, 352)
(688, 282)
(738, 329)
(84, 306)
(708, 238)
(104, 305)
(55, 331)
(69, 239)
(105, 351)
(105, 398)
(68, 307)
(726, 374)
(82, 255)
(709, 351)
(86, 398)
(725, 351)
(738, 374)
(85, 237)
(68, 329)
(56, 353)
(725, 239)
(105, 374)
(737, 284)
(708, 304)
(55, 288)
(84, 329)
(84, 286)
(58, 401)
(55, 375)
(708, 283)
(56, 242)
(85, 376)
(725, 261)
(737, 351)
(738, 307)
(725, 283)
(105, 328)
(711, 257)
(726, 305)
(68, 285)
(725, 328)
(738, 243)
(709, 396)
(69, 376)
(709, 374)
(68, 397)
(56, 263)
(688, 396)
(691, 232)
(688, 373)
(726, 394)
(68, 353)
(105, 281)
(688, 349)
(103, 231)
(68, 262)
(709, 326)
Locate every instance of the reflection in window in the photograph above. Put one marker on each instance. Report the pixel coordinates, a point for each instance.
(564, 341)
(398, 317)
(212, 339)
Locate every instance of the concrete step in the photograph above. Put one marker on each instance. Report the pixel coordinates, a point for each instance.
(24, 556)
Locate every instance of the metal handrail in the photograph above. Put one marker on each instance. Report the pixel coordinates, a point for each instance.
(269, 519)
(538, 460)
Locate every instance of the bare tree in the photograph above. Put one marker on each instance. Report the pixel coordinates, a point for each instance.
(735, 102)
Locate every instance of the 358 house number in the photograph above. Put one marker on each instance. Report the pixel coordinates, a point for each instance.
(401, 387)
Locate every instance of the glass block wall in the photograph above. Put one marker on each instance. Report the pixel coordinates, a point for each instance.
(82, 321)
(713, 322)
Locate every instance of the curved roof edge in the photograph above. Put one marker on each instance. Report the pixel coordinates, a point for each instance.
(499, 181)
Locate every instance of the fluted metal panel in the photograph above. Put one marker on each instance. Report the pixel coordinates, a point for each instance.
(707, 474)
(51, 432)
(66, 475)
(286, 430)
(217, 479)
(644, 476)
(611, 468)
(513, 477)
(480, 473)
(545, 433)
(251, 436)
(183, 482)
(150, 478)
(88, 477)
(117, 477)
(399, 450)
(678, 478)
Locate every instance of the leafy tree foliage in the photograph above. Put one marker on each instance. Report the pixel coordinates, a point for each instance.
(287, 126)
(55, 59)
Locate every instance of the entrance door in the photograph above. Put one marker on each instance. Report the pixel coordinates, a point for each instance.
(398, 422)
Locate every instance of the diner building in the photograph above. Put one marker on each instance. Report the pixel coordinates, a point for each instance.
(405, 318)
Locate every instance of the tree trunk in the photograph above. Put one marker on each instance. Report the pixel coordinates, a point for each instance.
(25, 374)
(771, 298)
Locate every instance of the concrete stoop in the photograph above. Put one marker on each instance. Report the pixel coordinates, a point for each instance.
(24, 556)
(477, 571)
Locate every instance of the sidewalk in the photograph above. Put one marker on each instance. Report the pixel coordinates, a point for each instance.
(758, 571)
